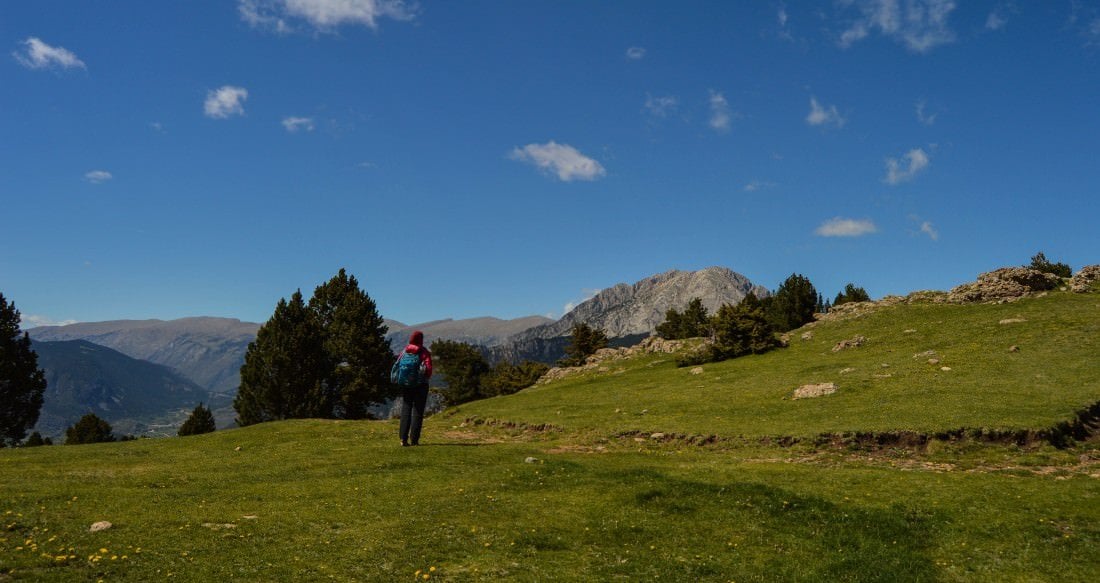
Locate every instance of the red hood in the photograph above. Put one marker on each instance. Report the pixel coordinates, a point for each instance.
(412, 349)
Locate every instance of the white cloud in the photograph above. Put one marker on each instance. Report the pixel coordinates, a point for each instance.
(661, 106)
(635, 53)
(719, 112)
(98, 176)
(588, 294)
(824, 116)
(323, 15)
(995, 21)
(927, 228)
(923, 116)
(756, 185)
(561, 159)
(156, 126)
(913, 162)
(34, 321)
(225, 101)
(841, 227)
(781, 17)
(39, 55)
(296, 124)
(920, 25)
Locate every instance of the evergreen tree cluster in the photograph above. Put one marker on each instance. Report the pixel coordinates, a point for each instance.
(584, 341)
(692, 323)
(200, 421)
(327, 359)
(792, 304)
(467, 376)
(851, 293)
(22, 383)
(1039, 262)
(89, 429)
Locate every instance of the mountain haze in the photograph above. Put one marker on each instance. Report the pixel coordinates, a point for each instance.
(134, 396)
(485, 331)
(208, 351)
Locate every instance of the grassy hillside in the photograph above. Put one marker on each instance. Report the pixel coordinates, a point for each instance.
(317, 500)
(885, 385)
(592, 500)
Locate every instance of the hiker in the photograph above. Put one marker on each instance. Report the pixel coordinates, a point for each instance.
(411, 373)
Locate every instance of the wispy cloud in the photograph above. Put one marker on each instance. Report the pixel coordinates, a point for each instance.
(927, 228)
(39, 55)
(298, 124)
(562, 160)
(97, 176)
(719, 112)
(995, 21)
(757, 185)
(33, 321)
(661, 106)
(911, 163)
(322, 15)
(635, 53)
(225, 101)
(923, 116)
(920, 25)
(842, 227)
(588, 294)
(998, 17)
(824, 116)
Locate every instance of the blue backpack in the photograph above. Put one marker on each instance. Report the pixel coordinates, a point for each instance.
(407, 372)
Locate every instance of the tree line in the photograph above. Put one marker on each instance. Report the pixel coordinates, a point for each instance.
(329, 357)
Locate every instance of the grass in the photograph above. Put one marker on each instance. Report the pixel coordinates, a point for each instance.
(321, 500)
(314, 500)
(883, 385)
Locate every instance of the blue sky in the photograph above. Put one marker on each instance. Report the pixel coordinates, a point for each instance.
(171, 159)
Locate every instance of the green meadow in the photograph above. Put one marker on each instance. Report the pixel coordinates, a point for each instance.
(566, 482)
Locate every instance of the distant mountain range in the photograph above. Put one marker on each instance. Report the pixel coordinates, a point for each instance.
(201, 357)
(136, 396)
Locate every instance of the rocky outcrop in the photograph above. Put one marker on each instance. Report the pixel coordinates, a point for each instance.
(1083, 280)
(632, 310)
(1003, 285)
(603, 357)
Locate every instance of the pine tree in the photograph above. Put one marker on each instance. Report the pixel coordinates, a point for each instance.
(22, 383)
(793, 303)
(355, 344)
(692, 323)
(851, 293)
(741, 329)
(461, 367)
(1040, 262)
(506, 378)
(200, 421)
(89, 429)
(36, 440)
(583, 342)
(284, 368)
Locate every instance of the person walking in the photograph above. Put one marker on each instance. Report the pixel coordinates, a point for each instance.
(411, 372)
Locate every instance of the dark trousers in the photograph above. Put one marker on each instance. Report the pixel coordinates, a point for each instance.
(413, 401)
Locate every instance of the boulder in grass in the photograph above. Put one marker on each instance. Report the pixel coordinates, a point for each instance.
(812, 391)
(101, 525)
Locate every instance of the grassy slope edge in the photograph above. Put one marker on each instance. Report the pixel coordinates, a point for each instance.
(887, 384)
(313, 500)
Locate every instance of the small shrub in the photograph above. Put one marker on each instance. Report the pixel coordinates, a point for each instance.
(1039, 262)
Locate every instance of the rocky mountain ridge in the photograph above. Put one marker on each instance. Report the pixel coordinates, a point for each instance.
(630, 312)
